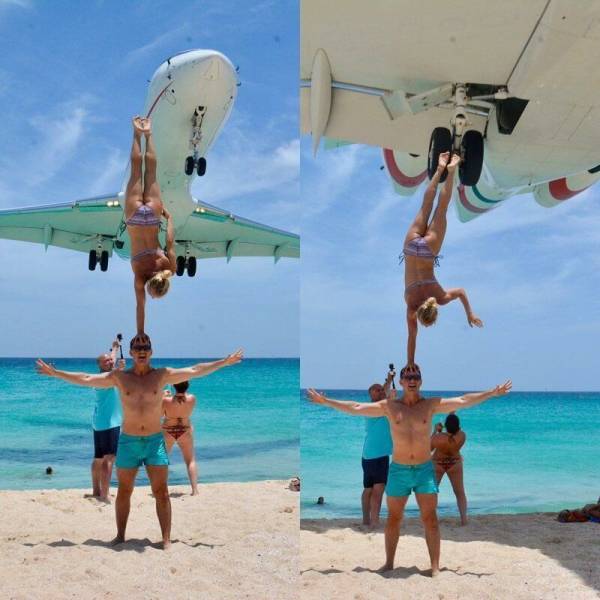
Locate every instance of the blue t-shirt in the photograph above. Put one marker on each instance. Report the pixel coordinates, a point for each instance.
(107, 411)
(378, 439)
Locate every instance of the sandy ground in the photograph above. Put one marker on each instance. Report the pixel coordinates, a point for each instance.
(493, 557)
(234, 540)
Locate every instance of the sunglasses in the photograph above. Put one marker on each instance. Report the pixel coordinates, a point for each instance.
(411, 377)
(141, 347)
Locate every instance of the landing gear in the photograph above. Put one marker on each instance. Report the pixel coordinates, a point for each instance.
(195, 161)
(180, 266)
(98, 256)
(191, 266)
(471, 150)
(440, 142)
(468, 144)
(184, 263)
(104, 260)
(190, 163)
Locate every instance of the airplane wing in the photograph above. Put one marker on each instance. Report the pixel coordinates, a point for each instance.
(97, 223)
(79, 225)
(363, 63)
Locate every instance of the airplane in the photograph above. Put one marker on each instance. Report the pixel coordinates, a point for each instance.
(512, 86)
(189, 100)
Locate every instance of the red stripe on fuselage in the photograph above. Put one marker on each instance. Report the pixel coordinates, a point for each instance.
(559, 191)
(465, 202)
(397, 175)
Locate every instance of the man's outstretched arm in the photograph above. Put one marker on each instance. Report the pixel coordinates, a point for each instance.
(360, 409)
(174, 376)
(100, 380)
(445, 405)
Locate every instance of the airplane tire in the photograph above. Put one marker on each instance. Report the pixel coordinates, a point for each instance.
(191, 266)
(104, 260)
(201, 166)
(189, 165)
(180, 266)
(471, 147)
(92, 260)
(440, 142)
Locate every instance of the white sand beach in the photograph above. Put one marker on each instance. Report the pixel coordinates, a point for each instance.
(494, 557)
(234, 540)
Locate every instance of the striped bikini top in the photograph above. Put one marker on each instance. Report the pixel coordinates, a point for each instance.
(143, 217)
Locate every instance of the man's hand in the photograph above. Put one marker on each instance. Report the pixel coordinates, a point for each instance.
(115, 345)
(473, 320)
(501, 390)
(121, 364)
(45, 368)
(315, 397)
(234, 358)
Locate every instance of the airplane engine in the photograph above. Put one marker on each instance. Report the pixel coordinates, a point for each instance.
(554, 192)
(407, 171)
(475, 200)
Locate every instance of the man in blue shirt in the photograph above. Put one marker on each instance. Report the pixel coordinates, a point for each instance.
(376, 456)
(106, 424)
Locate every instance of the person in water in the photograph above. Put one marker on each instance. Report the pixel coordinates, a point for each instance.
(152, 266)
(178, 429)
(141, 441)
(447, 460)
(422, 292)
(411, 470)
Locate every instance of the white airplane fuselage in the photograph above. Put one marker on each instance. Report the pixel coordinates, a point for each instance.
(197, 80)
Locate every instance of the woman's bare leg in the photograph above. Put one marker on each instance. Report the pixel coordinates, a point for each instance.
(151, 186)
(186, 443)
(418, 227)
(455, 475)
(134, 191)
(437, 228)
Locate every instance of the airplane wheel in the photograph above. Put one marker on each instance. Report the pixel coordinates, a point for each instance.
(191, 266)
(180, 266)
(471, 148)
(440, 142)
(189, 165)
(201, 166)
(93, 260)
(104, 260)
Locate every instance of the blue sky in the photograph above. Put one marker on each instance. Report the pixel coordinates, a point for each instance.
(532, 274)
(71, 77)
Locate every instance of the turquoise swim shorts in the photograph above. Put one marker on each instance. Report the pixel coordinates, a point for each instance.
(404, 479)
(134, 451)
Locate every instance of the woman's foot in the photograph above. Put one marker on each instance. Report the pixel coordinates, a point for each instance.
(138, 126)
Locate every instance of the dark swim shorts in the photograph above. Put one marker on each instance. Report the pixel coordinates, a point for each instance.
(106, 441)
(375, 470)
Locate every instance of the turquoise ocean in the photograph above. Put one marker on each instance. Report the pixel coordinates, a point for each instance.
(246, 424)
(525, 452)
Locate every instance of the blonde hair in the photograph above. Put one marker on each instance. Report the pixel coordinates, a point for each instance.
(428, 311)
(158, 284)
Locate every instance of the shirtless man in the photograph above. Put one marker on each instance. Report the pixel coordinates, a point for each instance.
(178, 428)
(411, 469)
(141, 441)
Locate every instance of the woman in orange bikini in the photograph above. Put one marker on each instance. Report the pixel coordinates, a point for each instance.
(178, 429)
(447, 460)
(152, 266)
(422, 245)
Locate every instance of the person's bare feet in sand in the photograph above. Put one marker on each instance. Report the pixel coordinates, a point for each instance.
(138, 125)
(120, 539)
(166, 545)
(387, 567)
(435, 572)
